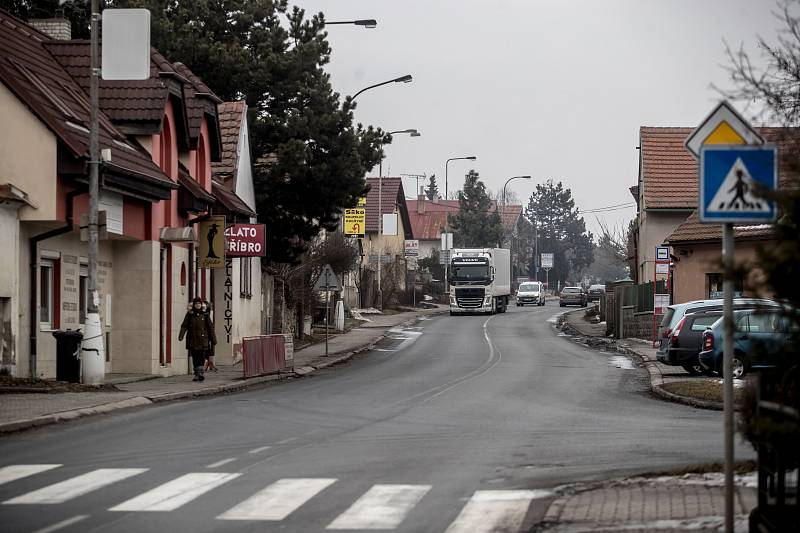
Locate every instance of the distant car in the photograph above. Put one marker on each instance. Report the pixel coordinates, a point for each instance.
(596, 292)
(686, 341)
(572, 296)
(676, 312)
(759, 335)
(530, 293)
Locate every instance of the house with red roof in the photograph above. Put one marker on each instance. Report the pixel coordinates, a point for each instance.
(667, 197)
(389, 248)
(159, 137)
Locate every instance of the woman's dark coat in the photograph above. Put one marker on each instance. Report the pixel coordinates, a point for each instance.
(199, 330)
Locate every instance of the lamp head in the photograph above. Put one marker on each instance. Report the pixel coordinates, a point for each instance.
(367, 23)
(471, 158)
(403, 79)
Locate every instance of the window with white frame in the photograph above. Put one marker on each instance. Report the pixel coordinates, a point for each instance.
(47, 293)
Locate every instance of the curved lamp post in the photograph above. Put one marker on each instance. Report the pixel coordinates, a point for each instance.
(511, 241)
(447, 222)
(470, 157)
(364, 23)
(402, 79)
(413, 133)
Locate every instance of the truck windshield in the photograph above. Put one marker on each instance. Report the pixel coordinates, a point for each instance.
(470, 273)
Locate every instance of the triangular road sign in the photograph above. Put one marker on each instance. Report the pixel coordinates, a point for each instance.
(735, 194)
(328, 280)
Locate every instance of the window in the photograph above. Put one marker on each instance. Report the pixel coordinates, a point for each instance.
(46, 296)
(714, 284)
(246, 277)
(83, 293)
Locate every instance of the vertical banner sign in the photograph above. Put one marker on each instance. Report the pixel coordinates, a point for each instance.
(228, 295)
(412, 248)
(212, 242)
(355, 220)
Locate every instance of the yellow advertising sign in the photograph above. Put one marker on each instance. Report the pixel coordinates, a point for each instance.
(355, 221)
(211, 234)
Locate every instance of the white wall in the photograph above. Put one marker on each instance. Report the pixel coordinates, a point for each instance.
(244, 173)
(235, 315)
(9, 289)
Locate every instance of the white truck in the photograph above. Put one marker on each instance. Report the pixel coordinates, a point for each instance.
(480, 280)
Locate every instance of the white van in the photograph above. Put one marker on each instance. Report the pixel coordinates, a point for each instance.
(530, 293)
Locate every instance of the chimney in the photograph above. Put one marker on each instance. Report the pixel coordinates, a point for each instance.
(421, 201)
(55, 28)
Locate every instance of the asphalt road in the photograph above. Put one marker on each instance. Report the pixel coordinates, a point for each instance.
(457, 424)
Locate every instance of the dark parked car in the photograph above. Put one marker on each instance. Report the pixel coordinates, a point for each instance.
(759, 335)
(572, 296)
(686, 341)
(596, 292)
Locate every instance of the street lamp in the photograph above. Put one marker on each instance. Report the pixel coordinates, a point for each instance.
(364, 23)
(413, 133)
(511, 240)
(447, 221)
(402, 79)
(470, 157)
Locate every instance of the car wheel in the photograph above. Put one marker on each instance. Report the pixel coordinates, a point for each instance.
(694, 369)
(738, 368)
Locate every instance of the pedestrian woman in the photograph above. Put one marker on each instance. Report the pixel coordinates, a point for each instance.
(199, 332)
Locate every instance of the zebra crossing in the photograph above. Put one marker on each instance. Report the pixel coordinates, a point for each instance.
(382, 507)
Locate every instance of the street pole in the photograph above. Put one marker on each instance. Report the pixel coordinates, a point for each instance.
(446, 163)
(727, 373)
(380, 230)
(511, 240)
(93, 353)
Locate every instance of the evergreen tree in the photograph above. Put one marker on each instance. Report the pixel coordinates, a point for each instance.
(475, 225)
(242, 50)
(561, 231)
(432, 191)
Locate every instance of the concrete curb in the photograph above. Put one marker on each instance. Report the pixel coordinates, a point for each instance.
(138, 401)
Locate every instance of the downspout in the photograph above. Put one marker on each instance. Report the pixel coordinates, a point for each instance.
(34, 256)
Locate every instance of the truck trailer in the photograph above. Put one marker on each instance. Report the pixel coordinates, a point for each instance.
(480, 280)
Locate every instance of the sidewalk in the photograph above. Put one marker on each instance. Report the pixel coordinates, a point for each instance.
(25, 410)
(691, 502)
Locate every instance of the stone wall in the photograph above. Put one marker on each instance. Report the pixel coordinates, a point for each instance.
(638, 325)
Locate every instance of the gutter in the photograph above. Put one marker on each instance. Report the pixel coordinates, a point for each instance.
(34, 256)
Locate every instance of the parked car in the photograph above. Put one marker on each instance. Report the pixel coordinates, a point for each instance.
(686, 341)
(759, 335)
(530, 293)
(572, 296)
(676, 312)
(596, 292)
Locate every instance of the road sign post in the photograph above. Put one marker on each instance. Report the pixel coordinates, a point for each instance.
(733, 165)
(327, 281)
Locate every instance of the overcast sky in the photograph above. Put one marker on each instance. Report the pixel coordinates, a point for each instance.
(554, 89)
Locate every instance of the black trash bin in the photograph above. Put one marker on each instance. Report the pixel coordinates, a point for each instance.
(68, 362)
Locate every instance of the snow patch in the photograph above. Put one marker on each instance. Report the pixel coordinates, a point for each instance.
(620, 361)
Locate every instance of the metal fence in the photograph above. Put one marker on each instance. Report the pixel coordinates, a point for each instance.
(263, 354)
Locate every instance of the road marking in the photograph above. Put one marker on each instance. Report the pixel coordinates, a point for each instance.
(15, 472)
(64, 523)
(287, 441)
(77, 486)
(277, 501)
(175, 493)
(259, 450)
(495, 510)
(220, 463)
(381, 507)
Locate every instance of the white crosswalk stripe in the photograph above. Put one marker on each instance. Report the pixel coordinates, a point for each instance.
(278, 500)
(77, 486)
(495, 510)
(381, 507)
(175, 493)
(14, 472)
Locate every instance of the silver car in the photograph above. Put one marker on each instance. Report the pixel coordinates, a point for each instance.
(530, 293)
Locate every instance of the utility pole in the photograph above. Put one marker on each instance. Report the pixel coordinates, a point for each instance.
(93, 354)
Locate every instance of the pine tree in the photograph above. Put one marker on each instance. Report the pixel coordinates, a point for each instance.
(560, 229)
(475, 225)
(432, 191)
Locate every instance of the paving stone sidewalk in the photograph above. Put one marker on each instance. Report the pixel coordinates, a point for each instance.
(691, 502)
(21, 411)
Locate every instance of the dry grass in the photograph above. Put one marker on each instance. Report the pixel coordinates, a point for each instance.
(701, 390)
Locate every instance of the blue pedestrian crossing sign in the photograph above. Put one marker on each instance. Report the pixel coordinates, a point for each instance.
(732, 182)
